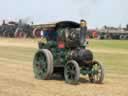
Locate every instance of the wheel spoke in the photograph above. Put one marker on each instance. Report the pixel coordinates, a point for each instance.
(39, 72)
(97, 77)
(68, 71)
(73, 68)
(73, 76)
(69, 76)
(68, 68)
(37, 64)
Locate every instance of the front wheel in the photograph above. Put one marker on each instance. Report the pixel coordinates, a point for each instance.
(72, 72)
(97, 74)
(43, 64)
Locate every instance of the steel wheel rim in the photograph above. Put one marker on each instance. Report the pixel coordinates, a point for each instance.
(98, 76)
(40, 65)
(70, 72)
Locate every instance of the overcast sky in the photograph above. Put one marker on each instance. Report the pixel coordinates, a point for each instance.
(96, 12)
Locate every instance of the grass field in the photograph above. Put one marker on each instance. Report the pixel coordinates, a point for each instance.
(17, 78)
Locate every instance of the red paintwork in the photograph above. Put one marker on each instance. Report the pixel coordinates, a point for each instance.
(93, 32)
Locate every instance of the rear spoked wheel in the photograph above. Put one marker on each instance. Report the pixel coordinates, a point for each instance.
(72, 72)
(97, 75)
(42, 64)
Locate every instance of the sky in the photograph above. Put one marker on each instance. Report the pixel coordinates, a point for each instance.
(96, 12)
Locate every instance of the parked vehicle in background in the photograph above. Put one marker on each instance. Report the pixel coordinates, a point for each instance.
(113, 33)
(15, 29)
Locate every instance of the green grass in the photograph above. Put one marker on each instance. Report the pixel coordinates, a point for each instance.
(114, 62)
(115, 44)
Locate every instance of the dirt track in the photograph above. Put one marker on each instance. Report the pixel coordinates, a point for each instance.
(16, 79)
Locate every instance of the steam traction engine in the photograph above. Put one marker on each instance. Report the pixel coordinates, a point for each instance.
(65, 53)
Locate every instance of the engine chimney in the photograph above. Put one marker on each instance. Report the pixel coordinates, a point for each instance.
(83, 30)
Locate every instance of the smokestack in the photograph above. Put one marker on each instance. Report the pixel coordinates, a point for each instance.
(83, 30)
